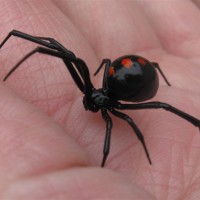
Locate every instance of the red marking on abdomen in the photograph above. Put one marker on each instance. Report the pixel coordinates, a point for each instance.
(111, 71)
(127, 62)
(141, 61)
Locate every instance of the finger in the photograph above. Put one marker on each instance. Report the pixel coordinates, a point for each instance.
(75, 184)
(30, 143)
(197, 2)
(177, 25)
(116, 27)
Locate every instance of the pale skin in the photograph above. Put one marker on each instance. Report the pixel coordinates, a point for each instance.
(51, 148)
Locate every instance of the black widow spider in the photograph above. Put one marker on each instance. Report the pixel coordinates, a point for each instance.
(129, 78)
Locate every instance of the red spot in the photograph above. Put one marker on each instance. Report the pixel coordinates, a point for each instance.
(127, 62)
(111, 71)
(141, 61)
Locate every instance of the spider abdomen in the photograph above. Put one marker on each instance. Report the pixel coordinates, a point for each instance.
(132, 78)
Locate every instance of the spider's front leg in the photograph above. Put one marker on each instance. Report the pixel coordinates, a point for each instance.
(165, 106)
(35, 39)
(53, 53)
(44, 41)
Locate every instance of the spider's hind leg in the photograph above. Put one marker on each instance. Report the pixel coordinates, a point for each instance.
(160, 105)
(135, 129)
(156, 66)
(106, 148)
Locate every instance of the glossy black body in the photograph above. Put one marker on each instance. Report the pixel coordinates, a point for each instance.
(132, 78)
(129, 78)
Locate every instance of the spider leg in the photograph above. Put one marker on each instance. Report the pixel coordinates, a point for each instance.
(44, 41)
(165, 106)
(156, 66)
(55, 45)
(135, 129)
(106, 148)
(104, 61)
(83, 70)
(58, 54)
(107, 62)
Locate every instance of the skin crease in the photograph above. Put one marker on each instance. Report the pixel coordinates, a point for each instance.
(57, 156)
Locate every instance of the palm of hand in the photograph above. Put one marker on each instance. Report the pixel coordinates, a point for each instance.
(123, 28)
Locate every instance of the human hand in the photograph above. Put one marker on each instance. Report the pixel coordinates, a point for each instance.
(35, 148)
